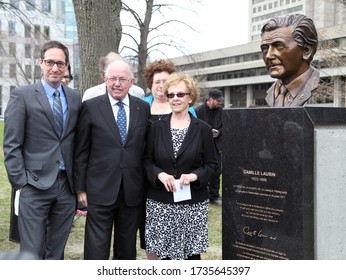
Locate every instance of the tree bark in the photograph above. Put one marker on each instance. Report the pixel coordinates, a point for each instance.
(99, 32)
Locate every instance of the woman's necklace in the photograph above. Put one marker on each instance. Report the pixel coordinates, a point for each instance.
(160, 111)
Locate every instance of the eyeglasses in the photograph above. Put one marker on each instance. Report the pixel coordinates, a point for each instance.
(50, 63)
(179, 94)
(113, 80)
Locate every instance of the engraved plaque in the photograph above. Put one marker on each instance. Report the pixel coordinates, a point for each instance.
(268, 181)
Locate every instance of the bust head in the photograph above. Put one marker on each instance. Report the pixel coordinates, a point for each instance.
(288, 46)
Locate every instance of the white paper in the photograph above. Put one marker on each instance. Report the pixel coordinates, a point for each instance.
(181, 194)
(16, 202)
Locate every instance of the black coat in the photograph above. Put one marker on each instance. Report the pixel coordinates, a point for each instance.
(197, 155)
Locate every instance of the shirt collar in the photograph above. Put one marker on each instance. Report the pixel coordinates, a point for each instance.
(113, 101)
(296, 86)
(49, 89)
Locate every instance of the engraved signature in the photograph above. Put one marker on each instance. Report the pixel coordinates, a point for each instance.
(256, 233)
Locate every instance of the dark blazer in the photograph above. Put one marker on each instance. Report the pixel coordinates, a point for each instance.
(31, 142)
(102, 161)
(32, 147)
(196, 155)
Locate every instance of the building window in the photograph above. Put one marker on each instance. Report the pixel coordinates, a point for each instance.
(37, 31)
(270, 6)
(28, 71)
(1, 65)
(12, 47)
(27, 51)
(259, 9)
(276, 4)
(37, 52)
(30, 5)
(27, 31)
(46, 31)
(15, 3)
(11, 27)
(37, 72)
(0, 26)
(13, 72)
(46, 6)
(254, 10)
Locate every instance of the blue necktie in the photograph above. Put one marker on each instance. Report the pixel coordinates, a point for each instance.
(57, 110)
(122, 121)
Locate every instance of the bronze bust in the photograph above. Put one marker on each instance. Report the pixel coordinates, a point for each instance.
(288, 45)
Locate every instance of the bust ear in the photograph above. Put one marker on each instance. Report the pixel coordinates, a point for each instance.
(307, 52)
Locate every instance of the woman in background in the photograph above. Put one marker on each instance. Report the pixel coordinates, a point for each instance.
(156, 75)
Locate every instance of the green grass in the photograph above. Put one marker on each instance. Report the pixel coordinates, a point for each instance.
(74, 248)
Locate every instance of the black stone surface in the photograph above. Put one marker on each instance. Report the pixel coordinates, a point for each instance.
(267, 181)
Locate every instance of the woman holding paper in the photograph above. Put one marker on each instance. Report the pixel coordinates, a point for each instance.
(180, 161)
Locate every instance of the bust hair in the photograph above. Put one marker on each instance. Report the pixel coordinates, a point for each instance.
(304, 30)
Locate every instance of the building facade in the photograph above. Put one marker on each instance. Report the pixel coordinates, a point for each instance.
(240, 72)
(24, 27)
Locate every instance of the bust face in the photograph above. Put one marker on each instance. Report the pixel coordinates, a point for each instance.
(283, 57)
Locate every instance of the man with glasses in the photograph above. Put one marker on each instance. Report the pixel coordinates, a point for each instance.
(101, 89)
(109, 177)
(68, 77)
(39, 136)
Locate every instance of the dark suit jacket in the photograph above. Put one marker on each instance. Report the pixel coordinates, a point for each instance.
(102, 161)
(196, 155)
(32, 146)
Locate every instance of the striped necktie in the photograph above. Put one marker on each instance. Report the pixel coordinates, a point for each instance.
(121, 121)
(57, 110)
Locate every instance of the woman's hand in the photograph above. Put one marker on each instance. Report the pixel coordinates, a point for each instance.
(168, 181)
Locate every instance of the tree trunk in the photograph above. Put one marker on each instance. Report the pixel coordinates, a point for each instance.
(99, 32)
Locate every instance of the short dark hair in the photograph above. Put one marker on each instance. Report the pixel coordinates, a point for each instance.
(55, 44)
(304, 30)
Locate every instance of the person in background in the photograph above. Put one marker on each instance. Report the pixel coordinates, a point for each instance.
(180, 152)
(68, 77)
(211, 113)
(39, 135)
(156, 74)
(109, 176)
(288, 46)
(101, 89)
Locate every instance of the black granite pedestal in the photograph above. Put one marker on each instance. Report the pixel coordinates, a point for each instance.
(268, 179)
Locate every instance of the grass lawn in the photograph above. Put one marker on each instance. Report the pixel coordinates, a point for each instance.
(74, 248)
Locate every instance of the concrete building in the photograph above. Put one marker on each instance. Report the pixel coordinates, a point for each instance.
(239, 71)
(24, 27)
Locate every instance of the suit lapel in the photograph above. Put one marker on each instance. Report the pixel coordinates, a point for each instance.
(166, 136)
(189, 137)
(41, 97)
(106, 112)
(134, 115)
